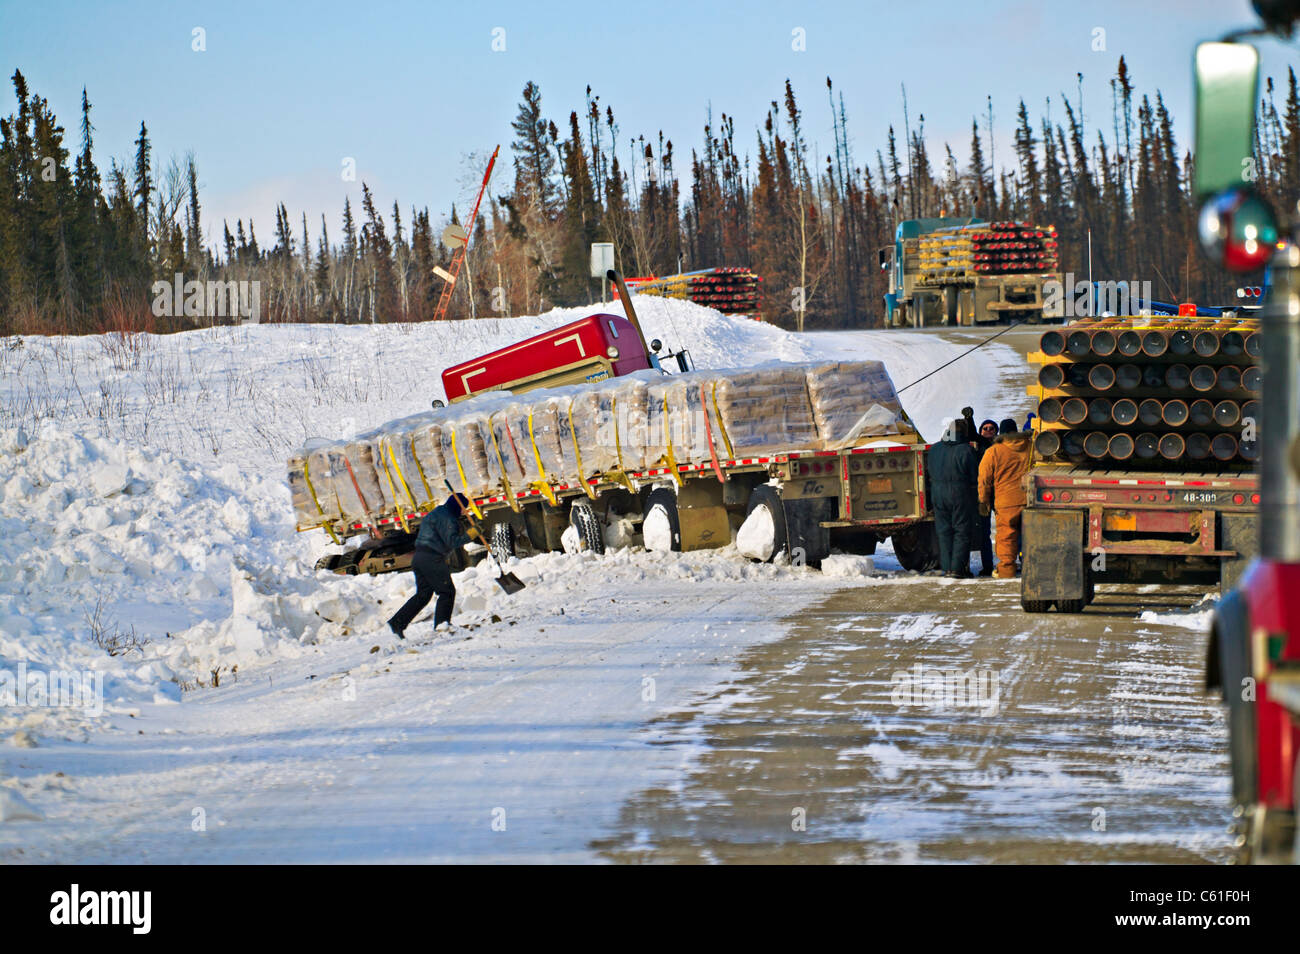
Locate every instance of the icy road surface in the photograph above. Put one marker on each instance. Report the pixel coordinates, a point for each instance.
(148, 481)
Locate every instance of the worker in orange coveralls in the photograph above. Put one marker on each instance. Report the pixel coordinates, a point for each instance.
(1001, 487)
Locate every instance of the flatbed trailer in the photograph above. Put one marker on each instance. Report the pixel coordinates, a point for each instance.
(1087, 524)
(851, 498)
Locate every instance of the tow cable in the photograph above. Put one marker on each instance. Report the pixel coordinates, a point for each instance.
(1014, 324)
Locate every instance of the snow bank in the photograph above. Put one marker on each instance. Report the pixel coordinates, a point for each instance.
(108, 549)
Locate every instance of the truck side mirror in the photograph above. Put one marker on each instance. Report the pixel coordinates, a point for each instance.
(1236, 227)
(1227, 81)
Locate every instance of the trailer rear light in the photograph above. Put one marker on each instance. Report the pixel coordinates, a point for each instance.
(1066, 496)
(1238, 498)
(1137, 498)
(1254, 498)
(1048, 496)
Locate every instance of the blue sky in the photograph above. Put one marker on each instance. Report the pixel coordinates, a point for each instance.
(284, 91)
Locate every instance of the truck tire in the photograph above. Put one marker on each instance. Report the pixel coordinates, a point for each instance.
(917, 547)
(808, 541)
(583, 519)
(1070, 606)
(661, 505)
(1035, 606)
(501, 538)
(766, 498)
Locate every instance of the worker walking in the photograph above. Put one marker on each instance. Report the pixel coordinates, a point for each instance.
(1001, 487)
(440, 535)
(953, 473)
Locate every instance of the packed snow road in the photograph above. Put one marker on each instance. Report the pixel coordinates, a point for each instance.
(888, 726)
(638, 706)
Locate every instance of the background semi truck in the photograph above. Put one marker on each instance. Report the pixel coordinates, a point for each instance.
(951, 271)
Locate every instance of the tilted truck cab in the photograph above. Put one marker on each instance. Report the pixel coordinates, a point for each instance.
(589, 349)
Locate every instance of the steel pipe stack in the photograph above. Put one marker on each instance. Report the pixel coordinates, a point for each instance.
(1149, 392)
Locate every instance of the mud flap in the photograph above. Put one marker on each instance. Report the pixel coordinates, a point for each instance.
(1240, 532)
(807, 538)
(1228, 669)
(703, 528)
(1053, 566)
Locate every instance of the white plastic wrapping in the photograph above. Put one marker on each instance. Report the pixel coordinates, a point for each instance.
(593, 429)
(852, 400)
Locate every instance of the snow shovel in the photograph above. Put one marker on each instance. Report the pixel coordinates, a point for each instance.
(508, 582)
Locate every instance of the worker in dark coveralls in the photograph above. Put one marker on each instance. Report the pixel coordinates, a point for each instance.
(439, 536)
(953, 477)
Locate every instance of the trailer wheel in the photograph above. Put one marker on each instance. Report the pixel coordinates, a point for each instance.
(917, 547)
(1035, 606)
(763, 534)
(583, 519)
(501, 538)
(1070, 606)
(659, 524)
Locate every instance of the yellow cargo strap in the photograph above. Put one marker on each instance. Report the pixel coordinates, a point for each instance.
(405, 486)
(505, 481)
(397, 504)
(621, 474)
(428, 491)
(543, 484)
(668, 440)
(577, 453)
(455, 453)
(325, 521)
(731, 453)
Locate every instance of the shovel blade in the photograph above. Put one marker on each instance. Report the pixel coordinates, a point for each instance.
(510, 583)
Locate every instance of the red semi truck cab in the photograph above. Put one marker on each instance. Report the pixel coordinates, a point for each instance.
(589, 349)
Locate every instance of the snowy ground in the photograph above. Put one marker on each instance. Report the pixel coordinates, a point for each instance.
(143, 508)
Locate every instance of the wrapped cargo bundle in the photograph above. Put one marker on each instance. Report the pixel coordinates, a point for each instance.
(356, 479)
(465, 453)
(553, 438)
(675, 420)
(615, 430)
(314, 500)
(402, 472)
(509, 451)
(763, 410)
(528, 443)
(852, 400)
(426, 452)
(589, 411)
